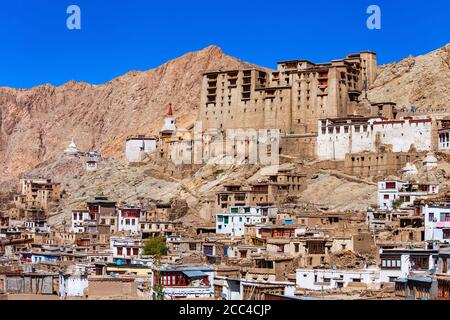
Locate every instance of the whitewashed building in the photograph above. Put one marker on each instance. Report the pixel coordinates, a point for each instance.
(73, 284)
(79, 217)
(125, 249)
(392, 190)
(338, 137)
(137, 147)
(233, 223)
(321, 279)
(129, 219)
(437, 223)
(402, 263)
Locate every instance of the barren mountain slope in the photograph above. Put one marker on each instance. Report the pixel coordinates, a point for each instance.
(423, 81)
(38, 123)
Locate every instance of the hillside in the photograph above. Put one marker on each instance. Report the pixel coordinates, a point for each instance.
(422, 81)
(38, 123)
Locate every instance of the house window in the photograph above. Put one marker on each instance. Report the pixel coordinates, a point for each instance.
(296, 247)
(431, 217)
(390, 185)
(316, 247)
(280, 248)
(119, 251)
(445, 217)
(446, 233)
(135, 251)
(386, 197)
(127, 222)
(390, 263)
(128, 251)
(419, 262)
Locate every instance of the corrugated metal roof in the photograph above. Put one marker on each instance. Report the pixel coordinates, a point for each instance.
(194, 273)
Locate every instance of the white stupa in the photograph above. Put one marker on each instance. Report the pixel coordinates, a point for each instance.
(170, 126)
(72, 149)
(430, 161)
(409, 169)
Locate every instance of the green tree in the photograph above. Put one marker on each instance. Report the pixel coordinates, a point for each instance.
(155, 247)
(397, 203)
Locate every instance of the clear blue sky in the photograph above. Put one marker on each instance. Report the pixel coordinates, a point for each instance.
(118, 36)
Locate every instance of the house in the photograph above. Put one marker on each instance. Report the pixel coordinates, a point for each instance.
(79, 217)
(125, 249)
(233, 223)
(185, 282)
(129, 219)
(326, 279)
(437, 222)
(403, 263)
(73, 282)
(403, 192)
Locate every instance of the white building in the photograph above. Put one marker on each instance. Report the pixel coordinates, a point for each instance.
(233, 223)
(388, 193)
(137, 147)
(91, 165)
(392, 190)
(125, 249)
(129, 219)
(338, 137)
(437, 223)
(79, 217)
(74, 283)
(402, 263)
(318, 279)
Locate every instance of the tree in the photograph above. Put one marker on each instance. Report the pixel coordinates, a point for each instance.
(397, 203)
(155, 247)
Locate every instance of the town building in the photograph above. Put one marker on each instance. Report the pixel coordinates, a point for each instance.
(187, 282)
(233, 223)
(403, 263)
(437, 222)
(403, 193)
(323, 279)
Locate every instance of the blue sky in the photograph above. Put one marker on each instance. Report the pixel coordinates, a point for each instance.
(118, 36)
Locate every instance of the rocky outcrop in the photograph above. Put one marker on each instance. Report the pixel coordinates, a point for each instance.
(422, 81)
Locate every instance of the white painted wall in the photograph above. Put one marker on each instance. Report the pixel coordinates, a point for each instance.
(332, 145)
(434, 225)
(135, 149)
(306, 278)
(236, 223)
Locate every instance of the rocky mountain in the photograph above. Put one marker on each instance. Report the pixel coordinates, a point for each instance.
(37, 124)
(422, 81)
